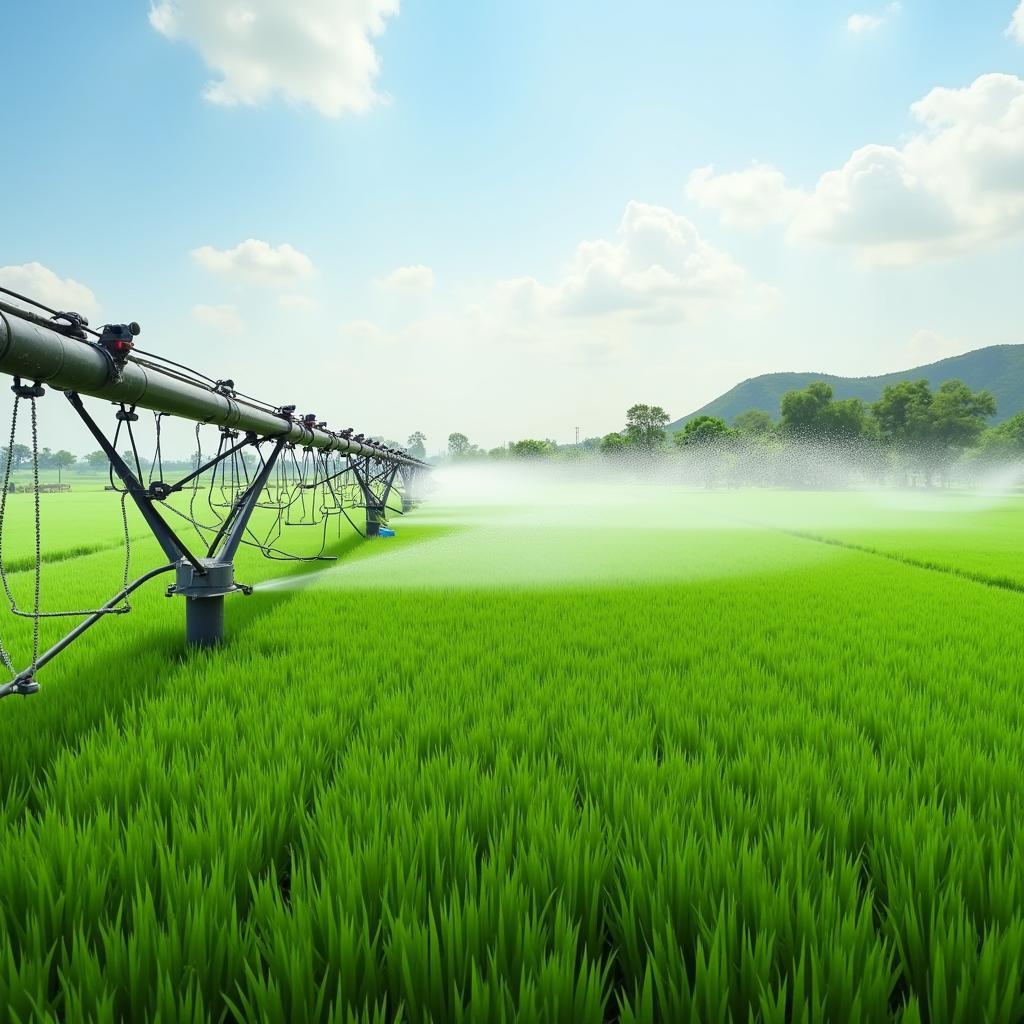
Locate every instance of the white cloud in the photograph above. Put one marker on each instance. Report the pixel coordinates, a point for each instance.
(957, 183)
(220, 318)
(315, 52)
(752, 198)
(659, 270)
(414, 280)
(257, 262)
(35, 281)
(859, 24)
(1015, 30)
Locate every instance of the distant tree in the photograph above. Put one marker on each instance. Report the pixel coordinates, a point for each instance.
(460, 447)
(928, 431)
(805, 412)
(709, 439)
(702, 432)
(530, 448)
(417, 444)
(959, 414)
(95, 460)
(847, 420)
(1004, 443)
(44, 458)
(129, 456)
(645, 426)
(613, 444)
(753, 423)
(814, 414)
(62, 460)
(903, 413)
(18, 456)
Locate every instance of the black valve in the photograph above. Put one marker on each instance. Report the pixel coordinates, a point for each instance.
(116, 341)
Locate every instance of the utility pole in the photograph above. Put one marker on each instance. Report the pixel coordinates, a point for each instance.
(577, 437)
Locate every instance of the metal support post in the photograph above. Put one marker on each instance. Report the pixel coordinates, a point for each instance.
(204, 595)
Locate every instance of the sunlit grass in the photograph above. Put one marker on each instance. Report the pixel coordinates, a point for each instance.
(506, 767)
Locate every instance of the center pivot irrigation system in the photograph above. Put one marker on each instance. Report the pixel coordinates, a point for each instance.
(255, 466)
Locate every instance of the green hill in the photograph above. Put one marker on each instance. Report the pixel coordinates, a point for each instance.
(1000, 368)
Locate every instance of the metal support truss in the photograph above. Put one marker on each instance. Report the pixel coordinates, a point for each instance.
(63, 353)
(203, 580)
(375, 479)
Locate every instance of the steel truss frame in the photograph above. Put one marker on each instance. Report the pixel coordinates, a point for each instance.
(63, 357)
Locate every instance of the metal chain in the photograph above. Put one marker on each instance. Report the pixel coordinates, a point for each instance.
(4, 656)
(36, 614)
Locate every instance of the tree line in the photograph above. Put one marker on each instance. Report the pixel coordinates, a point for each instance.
(20, 458)
(913, 434)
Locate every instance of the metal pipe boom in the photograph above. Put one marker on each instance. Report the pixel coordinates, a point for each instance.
(61, 356)
(34, 349)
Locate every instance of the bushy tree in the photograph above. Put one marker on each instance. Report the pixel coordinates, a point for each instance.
(1003, 443)
(417, 445)
(926, 431)
(613, 444)
(460, 447)
(703, 432)
(709, 440)
(530, 448)
(645, 427)
(753, 423)
(814, 414)
(19, 455)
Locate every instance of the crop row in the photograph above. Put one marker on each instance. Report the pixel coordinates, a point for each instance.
(786, 796)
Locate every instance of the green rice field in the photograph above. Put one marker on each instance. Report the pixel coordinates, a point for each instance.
(572, 752)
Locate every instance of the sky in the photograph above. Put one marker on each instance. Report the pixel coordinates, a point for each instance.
(516, 219)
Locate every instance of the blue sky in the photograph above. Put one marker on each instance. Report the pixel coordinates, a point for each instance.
(480, 147)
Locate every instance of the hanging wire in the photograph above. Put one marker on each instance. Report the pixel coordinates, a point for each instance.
(37, 614)
(157, 465)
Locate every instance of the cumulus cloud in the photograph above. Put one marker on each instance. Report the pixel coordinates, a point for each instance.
(753, 198)
(414, 280)
(220, 318)
(657, 270)
(859, 24)
(35, 281)
(1015, 30)
(315, 52)
(257, 262)
(956, 183)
